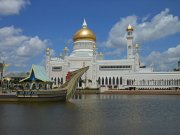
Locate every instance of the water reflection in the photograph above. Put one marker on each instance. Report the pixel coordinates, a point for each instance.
(99, 96)
(94, 115)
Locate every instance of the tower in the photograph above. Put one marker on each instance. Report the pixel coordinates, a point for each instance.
(137, 58)
(65, 51)
(94, 69)
(48, 61)
(129, 37)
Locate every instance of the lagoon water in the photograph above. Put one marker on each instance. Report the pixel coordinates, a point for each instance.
(94, 115)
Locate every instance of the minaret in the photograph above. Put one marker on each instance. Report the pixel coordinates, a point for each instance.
(101, 56)
(152, 67)
(60, 56)
(129, 37)
(94, 72)
(48, 61)
(94, 53)
(65, 51)
(137, 59)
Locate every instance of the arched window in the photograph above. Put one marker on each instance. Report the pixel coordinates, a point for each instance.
(61, 80)
(113, 81)
(27, 86)
(55, 81)
(175, 82)
(103, 81)
(169, 82)
(33, 86)
(109, 80)
(106, 81)
(143, 82)
(80, 82)
(132, 82)
(127, 82)
(120, 80)
(99, 80)
(40, 85)
(117, 81)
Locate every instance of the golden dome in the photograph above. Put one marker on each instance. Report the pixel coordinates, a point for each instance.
(84, 34)
(130, 28)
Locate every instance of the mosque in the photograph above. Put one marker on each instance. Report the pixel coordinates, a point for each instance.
(118, 74)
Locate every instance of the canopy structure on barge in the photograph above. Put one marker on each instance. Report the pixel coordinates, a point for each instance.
(37, 78)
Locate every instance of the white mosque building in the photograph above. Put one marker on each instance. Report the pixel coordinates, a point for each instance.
(126, 73)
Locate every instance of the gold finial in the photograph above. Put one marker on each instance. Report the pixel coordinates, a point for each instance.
(94, 46)
(48, 49)
(65, 49)
(137, 46)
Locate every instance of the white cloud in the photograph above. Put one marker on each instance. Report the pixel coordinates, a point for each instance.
(17, 48)
(10, 37)
(147, 29)
(31, 47)
(113, 52)
(161, 25)
(166, 60)
(10, 7)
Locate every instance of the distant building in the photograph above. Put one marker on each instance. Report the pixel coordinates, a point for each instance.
(11, 80)
(16, 76)
(178, 68)
(129, 73)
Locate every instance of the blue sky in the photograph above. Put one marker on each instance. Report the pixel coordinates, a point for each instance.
(27, 27)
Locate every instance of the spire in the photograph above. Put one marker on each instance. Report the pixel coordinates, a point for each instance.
(65, 51)
(84, 25)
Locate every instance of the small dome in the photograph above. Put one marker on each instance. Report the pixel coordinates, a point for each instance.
(130, 28)
(47, 49)
(137, 46)
(84, 34)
